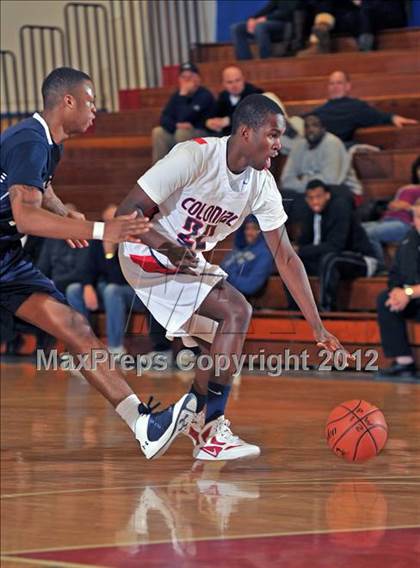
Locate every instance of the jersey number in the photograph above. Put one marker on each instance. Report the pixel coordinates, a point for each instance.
(191, 238)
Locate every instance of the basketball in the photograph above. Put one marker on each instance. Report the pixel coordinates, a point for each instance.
(356, 430)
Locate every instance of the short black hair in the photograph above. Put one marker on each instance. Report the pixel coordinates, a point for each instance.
(314, 115)
(314, 183)
(59, 82)
(253, 110)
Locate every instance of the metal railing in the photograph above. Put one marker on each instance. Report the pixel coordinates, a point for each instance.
(89, 47)
(121, 46)
(149, 35)
(42, 48)
(10, 107)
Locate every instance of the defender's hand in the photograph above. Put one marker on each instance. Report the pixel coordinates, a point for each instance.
(126, 228)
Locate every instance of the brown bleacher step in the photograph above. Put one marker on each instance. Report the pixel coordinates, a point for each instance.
(386, 164)
(274, 69)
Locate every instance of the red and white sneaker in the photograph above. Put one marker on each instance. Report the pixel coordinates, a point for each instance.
(215, 441)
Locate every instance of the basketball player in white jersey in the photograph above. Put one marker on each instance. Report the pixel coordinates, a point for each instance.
(200, 193)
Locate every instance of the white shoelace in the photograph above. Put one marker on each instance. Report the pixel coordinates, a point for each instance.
(225, 432)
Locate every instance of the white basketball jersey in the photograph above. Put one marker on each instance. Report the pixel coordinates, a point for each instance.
(201, 202)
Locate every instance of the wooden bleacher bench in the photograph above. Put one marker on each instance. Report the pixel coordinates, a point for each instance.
(364, 85)
(297, 68)
(386, 164)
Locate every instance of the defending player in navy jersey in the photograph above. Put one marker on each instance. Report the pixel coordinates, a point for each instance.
(203, 190)
(30, 152)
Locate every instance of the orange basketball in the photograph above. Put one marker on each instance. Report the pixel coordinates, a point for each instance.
(356, 430)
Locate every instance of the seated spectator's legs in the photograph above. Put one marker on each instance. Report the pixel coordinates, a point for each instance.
(333, 267)
(162, 142)
(184, 134)
(74, 296)
(118, 300)
(240, 38)
(265, 32)
(386, 231)
(393, 327)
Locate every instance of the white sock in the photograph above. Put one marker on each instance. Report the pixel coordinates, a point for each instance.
(128, 409)
(404, 360)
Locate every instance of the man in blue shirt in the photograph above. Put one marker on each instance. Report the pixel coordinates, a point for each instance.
(30, 152)
(250, 264)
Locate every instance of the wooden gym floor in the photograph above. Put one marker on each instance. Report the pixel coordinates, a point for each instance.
(77, 492)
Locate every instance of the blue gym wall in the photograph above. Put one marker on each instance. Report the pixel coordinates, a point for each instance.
(230, 11)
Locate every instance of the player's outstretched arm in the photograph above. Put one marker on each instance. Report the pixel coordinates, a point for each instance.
(293, 274)
(53, 203)
(31, 219)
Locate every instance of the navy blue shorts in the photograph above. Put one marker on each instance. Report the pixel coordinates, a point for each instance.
(19, 279)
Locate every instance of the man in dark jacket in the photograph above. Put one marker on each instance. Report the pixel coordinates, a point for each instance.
(333, 244)
(266, 25)
(342, 115)
(401, 302)
(235, 89)
(185, 114)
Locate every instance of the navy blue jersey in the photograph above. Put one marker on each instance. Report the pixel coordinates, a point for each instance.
(28, 157)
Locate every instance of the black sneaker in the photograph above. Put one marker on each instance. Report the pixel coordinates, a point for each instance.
(398, 370)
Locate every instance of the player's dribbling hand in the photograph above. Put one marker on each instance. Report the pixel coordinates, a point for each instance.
(126, 228)
(183, 258)
(329, 342)
(76, 243)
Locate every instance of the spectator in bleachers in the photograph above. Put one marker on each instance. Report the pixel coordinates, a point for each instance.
(250, 263)
(235, 89)
(342, 115)
(332, 244)
(184, 116)
(319, 155)
(267, 25)
(360, 18)
(318, 21)
(400, 303)
(397, 220)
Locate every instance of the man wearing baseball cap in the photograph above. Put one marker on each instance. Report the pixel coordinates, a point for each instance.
(185, 114)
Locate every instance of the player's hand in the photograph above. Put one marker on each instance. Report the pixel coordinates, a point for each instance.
(400, 121)
(250, 25)
(187, 87)
(181, 257)
(397, 300)
(215, 124)
(76, 243)
(329, 342)
(126, 228)
(90, 298)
